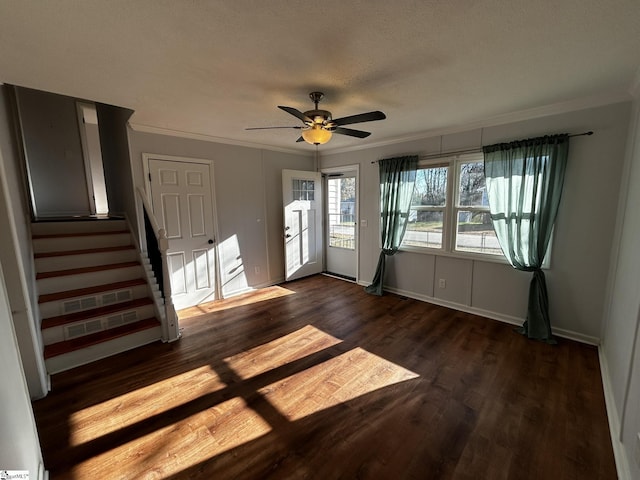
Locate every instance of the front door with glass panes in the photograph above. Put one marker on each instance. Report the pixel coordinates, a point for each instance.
(302, 202)
(340, 223)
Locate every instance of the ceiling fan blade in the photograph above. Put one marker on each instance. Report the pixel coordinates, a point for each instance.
(351, 132)
(269, 128)
(300, 139)
(296, 113)
(362, 117)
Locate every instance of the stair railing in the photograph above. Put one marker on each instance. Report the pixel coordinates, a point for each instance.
(157, 246)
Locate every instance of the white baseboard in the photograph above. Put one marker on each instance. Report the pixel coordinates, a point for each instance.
(619, 452)
(240, 291)
(42, 473)
(571, 335)
(275, 281)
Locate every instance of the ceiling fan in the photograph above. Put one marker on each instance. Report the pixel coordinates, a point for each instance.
(319, 126)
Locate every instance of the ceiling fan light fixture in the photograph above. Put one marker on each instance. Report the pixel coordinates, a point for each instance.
(316, 135)
(318, 126)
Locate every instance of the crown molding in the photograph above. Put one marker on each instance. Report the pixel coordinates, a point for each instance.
(138, 127)
(502, 119)
(528, 114)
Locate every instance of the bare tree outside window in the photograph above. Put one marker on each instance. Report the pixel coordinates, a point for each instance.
(472, 187)
(426, 217)
(474, 230)
(459, 223)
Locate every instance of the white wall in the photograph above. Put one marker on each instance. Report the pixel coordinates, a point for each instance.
(16, 253)
(248, 196)
(19, 444)
(54, 153)
(583, 234)
(621, 331)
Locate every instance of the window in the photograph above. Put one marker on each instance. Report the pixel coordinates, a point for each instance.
(474, 230)
(426, 217)
(450, 210)
(303, 189)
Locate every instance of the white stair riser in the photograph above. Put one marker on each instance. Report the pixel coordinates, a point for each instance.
(55, 308)
(89, 279)
(97, 324)
(64, 262)
(54, 228)
(61, 244)
(70, 360)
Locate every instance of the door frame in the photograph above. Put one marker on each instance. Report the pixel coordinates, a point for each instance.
(345, 169)
(146, 157)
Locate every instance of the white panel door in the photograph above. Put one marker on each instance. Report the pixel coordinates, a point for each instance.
(302, 200)
(182, 201)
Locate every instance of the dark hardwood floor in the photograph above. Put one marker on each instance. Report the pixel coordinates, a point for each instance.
(316, 379)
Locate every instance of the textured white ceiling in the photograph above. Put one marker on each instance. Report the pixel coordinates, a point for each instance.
(217, 67)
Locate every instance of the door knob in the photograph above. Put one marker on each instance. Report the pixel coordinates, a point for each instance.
(210, 242)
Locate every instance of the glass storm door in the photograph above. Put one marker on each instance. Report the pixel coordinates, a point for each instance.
(341, 222)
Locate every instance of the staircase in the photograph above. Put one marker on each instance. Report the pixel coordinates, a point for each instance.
(95, 297)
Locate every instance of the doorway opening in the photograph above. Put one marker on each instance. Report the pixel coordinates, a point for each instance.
(92, 153)
(341, 220)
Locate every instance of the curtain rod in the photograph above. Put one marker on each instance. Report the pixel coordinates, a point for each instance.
(475, 150)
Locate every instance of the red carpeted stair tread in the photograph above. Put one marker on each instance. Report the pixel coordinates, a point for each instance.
(77, 271)
(87, 291)
(79, 343)
(95, 312)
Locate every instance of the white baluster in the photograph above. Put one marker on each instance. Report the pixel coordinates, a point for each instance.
(172, 332)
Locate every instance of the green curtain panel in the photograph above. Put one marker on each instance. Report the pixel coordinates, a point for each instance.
(397, 178)
(524, 185)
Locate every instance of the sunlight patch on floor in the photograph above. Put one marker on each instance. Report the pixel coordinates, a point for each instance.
(181, 445)
(125, 410)
(249, 298)
(234, 424)
(157, 442)
(338, 380)
(281, 351)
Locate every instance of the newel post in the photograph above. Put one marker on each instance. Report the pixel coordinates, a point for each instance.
(170, 329)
